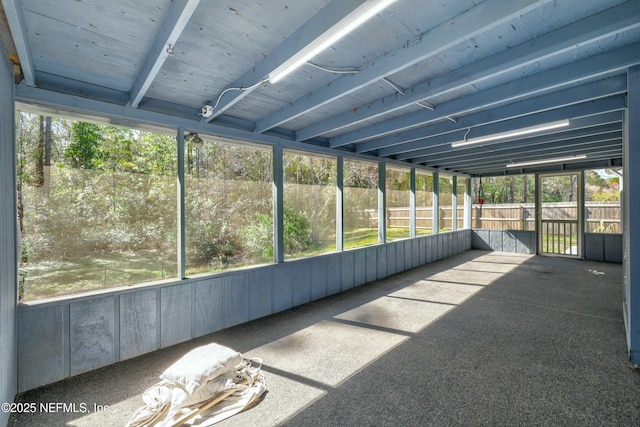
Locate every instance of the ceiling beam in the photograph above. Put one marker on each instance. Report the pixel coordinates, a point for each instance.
(527, 147)
(15, 16)
(581, 115)
(319, 24)
(456, 30)
(612, 86)
(611, 61)
(584, 109)
(444, 152)
(593, 28)
(576, 166)
(613, 152)
(91, 109)
(172, 27)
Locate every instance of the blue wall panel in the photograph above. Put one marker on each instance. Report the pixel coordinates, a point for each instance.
(334, 274)
(41, 345)
(382, 262)
(92, 334)
(208, 307)
(347, 267)
(282, 288)
(175, 315)
(301, 273)
(76, 334)
(139, 329)
(360, 267)
(260, 293)
(319, 277)
(371, 255)
(391, 260)
(235, 294)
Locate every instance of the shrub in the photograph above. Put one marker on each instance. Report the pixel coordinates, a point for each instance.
(258, 236)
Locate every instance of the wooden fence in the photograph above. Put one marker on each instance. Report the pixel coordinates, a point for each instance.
(599, 217)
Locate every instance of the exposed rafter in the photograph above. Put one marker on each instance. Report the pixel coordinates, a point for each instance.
(303, 36)
(591, 108)
(579, 128)
(448, 34)
(389, 146)
(463, 68)
(176, 20)
(15, 17)
(573, 72)
(588, 30)
(576, 138)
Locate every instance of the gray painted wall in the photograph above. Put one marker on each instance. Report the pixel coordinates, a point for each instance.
(603, 247)
(597, 246)
(516, 241)
(8, 239)
(58, 339)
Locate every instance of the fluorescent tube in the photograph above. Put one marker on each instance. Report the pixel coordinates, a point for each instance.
(349, 23)
(512, 133)
(546, 161)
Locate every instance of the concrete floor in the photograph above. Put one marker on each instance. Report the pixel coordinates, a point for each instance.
(481, 338)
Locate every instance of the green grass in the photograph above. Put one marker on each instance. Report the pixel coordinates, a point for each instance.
(47, 279)
(556, 243)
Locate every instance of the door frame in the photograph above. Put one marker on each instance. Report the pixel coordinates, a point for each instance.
(579, 208)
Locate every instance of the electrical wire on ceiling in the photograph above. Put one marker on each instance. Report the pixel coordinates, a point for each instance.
(333, 70)
(424, 104)
(229, 89)
(428, 106)
(393, 85)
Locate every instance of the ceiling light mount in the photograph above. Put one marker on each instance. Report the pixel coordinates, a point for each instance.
(207, 111)
(511, 134)
(546, 161)
(196, 141)
(343, 27)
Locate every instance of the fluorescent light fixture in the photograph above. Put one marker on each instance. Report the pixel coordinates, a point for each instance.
(347, 24)
(547, 161)
(512, 133)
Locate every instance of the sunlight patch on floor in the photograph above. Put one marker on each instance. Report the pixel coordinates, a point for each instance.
(327, 352)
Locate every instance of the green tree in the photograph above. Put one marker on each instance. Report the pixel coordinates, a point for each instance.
(82, 150)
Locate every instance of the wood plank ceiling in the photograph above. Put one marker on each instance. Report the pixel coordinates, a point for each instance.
(417, 77)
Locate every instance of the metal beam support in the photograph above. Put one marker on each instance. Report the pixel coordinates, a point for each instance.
(588, 30)
(611, 61)
(278, 204)
(464, 26)
(181, 237)
(174, 23)
(15, 17)
(631, 205)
